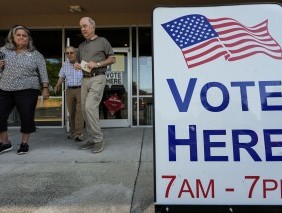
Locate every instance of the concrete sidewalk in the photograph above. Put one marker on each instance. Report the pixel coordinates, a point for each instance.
(57, 177)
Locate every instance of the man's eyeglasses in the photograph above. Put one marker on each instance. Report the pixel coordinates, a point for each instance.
(69, 53)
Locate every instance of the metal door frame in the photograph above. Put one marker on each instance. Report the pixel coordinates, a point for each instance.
(107, 123)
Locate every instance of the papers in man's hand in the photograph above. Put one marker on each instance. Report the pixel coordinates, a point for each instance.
(84, 66)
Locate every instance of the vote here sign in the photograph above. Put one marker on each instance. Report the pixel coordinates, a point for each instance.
(218, 104)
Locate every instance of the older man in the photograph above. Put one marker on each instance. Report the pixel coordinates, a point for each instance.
(72, 78)
(93, 56)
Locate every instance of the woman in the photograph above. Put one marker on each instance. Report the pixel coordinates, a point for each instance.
(23, 73)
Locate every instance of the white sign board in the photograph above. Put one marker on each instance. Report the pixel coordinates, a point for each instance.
(114, 78)
(218, 105)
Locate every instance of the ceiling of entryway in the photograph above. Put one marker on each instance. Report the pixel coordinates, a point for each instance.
(119, 12)
(59, 7)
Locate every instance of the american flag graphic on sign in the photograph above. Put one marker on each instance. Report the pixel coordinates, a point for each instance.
(203, 40)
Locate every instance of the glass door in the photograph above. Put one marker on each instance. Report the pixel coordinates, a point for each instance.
(115, 104)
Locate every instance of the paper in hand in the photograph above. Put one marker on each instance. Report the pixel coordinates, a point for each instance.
(84, 66)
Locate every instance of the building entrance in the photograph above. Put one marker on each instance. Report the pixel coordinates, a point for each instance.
(115, 106)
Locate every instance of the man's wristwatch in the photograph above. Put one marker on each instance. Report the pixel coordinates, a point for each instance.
(98, 64)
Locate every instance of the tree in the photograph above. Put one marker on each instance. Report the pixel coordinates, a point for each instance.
(53, 68)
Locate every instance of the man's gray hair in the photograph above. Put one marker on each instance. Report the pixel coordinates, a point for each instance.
(92, 22)
(71, 47)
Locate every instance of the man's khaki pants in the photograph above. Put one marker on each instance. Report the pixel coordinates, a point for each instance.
(73, 97)
(91, 95)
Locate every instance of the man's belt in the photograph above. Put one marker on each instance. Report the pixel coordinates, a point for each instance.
(90, 75)
(74, 87)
